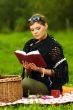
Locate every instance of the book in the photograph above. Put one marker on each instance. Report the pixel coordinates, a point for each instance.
(31, 57)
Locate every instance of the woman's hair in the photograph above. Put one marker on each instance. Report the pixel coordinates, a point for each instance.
(37, 18)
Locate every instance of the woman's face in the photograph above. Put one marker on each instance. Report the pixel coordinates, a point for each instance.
(38, 30)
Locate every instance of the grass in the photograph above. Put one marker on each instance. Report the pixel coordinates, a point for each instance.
(8, 44)
(10, 65)
(39, 107)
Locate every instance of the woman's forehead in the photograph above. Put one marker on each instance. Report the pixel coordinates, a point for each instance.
(36, 24)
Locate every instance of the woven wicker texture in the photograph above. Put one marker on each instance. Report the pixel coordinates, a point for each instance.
(10, 88)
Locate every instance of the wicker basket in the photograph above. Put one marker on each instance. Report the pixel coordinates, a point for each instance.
(10, 88)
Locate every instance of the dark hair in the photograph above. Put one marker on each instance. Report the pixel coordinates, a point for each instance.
(37, 18)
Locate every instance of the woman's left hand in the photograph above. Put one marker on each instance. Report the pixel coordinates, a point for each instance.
(33, 66)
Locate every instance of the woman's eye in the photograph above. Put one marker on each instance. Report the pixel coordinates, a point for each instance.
(38, 28)
(32, 29)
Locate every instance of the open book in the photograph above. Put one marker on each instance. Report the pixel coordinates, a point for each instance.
(31, 57)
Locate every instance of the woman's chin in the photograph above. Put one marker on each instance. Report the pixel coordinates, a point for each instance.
(37, 37)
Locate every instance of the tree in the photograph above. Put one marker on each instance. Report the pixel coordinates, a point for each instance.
(58, 12)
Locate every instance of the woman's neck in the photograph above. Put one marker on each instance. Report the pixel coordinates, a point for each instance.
(44, 37)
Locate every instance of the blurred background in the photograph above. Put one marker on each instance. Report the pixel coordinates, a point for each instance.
(15, 13)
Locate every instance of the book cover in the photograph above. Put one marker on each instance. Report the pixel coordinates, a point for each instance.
(31, 57)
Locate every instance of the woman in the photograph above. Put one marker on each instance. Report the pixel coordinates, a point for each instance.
(56, 72)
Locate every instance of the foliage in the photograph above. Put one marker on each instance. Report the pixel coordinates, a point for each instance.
(56, 11)
(20, 25)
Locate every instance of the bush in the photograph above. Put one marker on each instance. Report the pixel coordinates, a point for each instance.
(20, 25)
(5, 30)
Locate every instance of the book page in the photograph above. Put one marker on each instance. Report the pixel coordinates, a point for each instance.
(21, 52)
(29, 53)
(33, 52)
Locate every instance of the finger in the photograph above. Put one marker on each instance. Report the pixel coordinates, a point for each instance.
(32, 64)
(33, 67)
(22, 61)
(26, 62)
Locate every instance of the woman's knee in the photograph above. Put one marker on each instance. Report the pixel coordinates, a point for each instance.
(34, 87)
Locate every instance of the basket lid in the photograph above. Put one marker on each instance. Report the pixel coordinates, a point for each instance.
(8, 78)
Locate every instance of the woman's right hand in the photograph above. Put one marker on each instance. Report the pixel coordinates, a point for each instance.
(26, 65)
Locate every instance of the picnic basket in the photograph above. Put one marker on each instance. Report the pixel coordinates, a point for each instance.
(10, 88)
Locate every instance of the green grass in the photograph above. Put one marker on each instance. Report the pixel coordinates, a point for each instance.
(10, 65)
(8, 44)
(39, 107)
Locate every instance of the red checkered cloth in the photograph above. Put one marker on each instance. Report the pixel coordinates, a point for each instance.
(66, 98)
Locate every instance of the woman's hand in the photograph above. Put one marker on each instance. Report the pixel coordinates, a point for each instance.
(26, 65)
(29, 66)
(33, 66)
(39, 69)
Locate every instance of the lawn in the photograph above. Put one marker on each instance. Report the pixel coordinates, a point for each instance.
(10, 65)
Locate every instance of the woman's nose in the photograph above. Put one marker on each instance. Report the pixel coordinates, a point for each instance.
(35, 31)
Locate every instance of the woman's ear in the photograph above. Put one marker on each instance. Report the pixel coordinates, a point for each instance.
(46, 26)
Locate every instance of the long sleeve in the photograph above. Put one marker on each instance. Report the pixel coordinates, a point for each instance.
(60, 64)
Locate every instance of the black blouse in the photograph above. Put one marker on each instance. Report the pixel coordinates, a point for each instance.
(52, 53)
